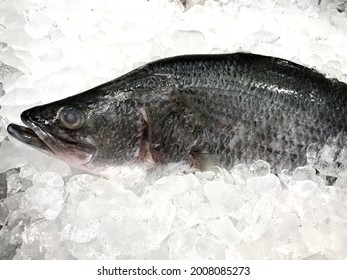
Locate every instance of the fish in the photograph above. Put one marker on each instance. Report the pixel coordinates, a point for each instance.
(206, 110)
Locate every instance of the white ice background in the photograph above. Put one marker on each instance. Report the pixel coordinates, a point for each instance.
(53, 49)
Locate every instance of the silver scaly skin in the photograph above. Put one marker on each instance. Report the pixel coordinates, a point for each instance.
(213, 109)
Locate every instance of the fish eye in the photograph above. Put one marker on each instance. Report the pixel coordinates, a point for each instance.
(71, 118)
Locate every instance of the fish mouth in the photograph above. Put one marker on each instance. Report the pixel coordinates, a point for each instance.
(36, 137)
(28, 136)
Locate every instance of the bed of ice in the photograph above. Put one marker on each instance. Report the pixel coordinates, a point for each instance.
(48, 210)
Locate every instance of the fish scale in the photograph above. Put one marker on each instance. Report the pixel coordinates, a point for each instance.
(276, 94)
(215, 109)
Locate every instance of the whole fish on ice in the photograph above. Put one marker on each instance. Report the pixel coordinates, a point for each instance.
(222, 109)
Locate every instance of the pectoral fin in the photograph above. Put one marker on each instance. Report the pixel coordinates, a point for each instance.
(148, 151)
(204, 161)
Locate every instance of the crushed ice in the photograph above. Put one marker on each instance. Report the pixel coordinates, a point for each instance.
(48, 210)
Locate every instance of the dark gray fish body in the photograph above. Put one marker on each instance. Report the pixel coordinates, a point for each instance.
(233, 108)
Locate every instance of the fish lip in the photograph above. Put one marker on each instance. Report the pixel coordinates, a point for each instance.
(38, 134)
(28, 135)
(40, 139)
(43, 135)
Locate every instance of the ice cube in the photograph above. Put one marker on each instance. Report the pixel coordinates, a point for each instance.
(16, 234)
(223, 196)
(170, 186)
(45, 197)
(253, 232)
(338, 239)
(259, 184)
(10, 156)
(39, 240)
(6, 74)
(314, 239)
(188, 41)
(209, 248)
(7, 250)
(305, 188)
(39, 26)
(187, 244)
(260, 168)
(241, 173)
(3, 186)
(304, 173)
(80, 231)
(264, 208)
(16, 184)
(3, 213)
(224, 230)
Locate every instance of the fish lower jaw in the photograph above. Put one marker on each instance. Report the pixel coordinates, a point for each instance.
(72, 155)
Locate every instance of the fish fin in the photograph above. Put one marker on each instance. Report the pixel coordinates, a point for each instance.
(147, 151)
(168, 126)
(204, 161)
(150, 154)
(148, 130)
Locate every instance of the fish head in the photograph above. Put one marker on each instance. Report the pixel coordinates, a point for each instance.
(88, 130)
